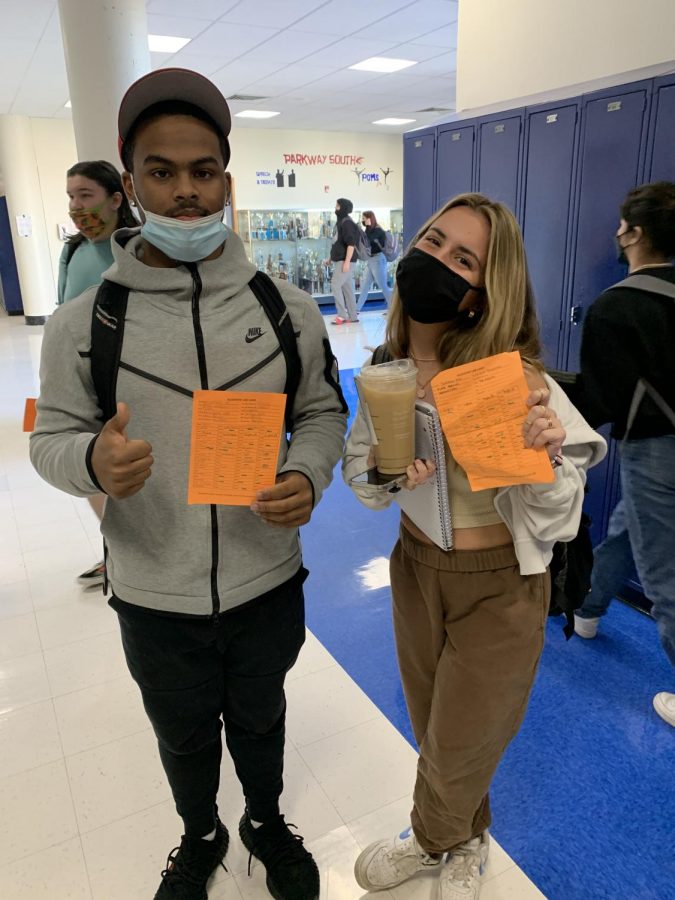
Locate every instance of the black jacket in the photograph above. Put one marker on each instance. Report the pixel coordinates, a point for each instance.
(628, 334)
(376, 238)
(347, 236)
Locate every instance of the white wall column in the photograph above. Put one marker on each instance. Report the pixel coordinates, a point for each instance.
(106, 48)
(24, 199)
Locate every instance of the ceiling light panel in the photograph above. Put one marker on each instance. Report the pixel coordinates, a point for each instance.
(393, 121)
(383, 64)
(165, 43)
(256, 114)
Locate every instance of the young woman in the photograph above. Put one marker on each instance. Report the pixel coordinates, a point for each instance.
(377, 264)
(469, 622)
(98, 206)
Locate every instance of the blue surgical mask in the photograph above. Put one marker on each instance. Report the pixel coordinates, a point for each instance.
(184, 241)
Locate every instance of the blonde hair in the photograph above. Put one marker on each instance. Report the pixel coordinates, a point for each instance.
(509, 320)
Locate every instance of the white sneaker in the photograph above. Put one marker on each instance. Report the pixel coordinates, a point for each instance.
(461, 875)
(586, 628)
(389, 862)
(664, 704)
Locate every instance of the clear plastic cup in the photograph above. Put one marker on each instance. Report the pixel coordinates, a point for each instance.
(389, 391)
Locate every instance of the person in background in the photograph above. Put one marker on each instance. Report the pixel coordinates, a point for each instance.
(469, 622)
(97, 206)
(342, 255)
(377, 263)
(629, 335)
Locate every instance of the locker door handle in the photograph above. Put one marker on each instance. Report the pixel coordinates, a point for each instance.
(576, 314)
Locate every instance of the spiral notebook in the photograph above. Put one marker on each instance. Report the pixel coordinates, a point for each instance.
(428, 506)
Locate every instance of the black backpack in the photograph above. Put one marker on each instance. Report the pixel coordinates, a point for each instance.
(572, 561)
(107, 335)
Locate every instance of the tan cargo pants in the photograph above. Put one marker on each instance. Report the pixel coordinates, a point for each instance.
(469, 633)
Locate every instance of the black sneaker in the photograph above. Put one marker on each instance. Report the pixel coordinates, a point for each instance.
(189, 867)
(292, 873)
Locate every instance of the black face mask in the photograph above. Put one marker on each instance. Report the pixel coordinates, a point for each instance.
(430, 292)
(621, 251)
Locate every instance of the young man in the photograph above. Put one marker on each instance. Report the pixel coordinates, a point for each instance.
(209, 598)
(628, 337)
(342, 254)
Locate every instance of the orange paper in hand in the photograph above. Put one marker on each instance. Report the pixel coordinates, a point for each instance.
(234, 445)
(29, 414)
(482, 407)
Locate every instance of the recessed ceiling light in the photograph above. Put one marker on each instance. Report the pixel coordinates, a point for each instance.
(164, 43)
(383, 64)
(393, 121)
(67, 105)
(256, 114)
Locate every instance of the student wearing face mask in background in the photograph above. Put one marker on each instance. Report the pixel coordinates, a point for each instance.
(469, 622)
(342, 255)
(628, 339)
(97, 206)
(376, 262)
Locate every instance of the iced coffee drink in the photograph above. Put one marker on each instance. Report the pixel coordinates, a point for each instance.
(389, 392)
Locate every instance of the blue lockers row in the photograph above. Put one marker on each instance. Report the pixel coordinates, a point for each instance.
(563, 168)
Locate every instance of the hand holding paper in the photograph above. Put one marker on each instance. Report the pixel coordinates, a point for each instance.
(482, 406)
(288, 504)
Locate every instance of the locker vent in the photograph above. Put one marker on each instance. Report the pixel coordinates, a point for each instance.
(614, 107)
(550, 120)
(499, 129)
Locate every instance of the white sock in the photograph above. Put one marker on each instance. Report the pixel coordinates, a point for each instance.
(210, 837)
(256, 824)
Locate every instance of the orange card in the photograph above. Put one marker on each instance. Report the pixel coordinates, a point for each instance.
(234, 445)
(29, 414)
(482, 406)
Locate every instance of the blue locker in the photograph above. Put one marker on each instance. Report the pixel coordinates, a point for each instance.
(9, 277)
(661, 151)
(419, 180)
(454, 161)
(611, 163)
(498, 157)
(549, 169)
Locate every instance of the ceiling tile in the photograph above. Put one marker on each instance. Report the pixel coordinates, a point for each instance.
(445, 37)
(22, 21)
(344, 17)
(288, 46)
(176, 26)
(272, 12)
(194, 9)
(351, 50)
(443, 64)
(227, 40)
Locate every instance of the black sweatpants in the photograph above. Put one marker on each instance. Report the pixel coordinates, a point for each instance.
(195, 675)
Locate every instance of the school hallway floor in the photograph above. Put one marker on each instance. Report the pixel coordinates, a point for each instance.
(583, 801)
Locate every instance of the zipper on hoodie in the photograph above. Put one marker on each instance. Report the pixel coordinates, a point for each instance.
(203, 377)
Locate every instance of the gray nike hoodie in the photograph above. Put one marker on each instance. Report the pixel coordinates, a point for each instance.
(162, 553)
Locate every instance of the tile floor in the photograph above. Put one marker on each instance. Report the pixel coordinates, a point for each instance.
(85, 810)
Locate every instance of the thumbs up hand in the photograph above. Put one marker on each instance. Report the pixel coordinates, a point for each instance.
(121, 466)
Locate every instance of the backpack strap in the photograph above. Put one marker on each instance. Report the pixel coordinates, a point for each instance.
(107, 334)
(652, 285)
(380, 355)
(648, 283)
(275, 309)
(71, 247)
